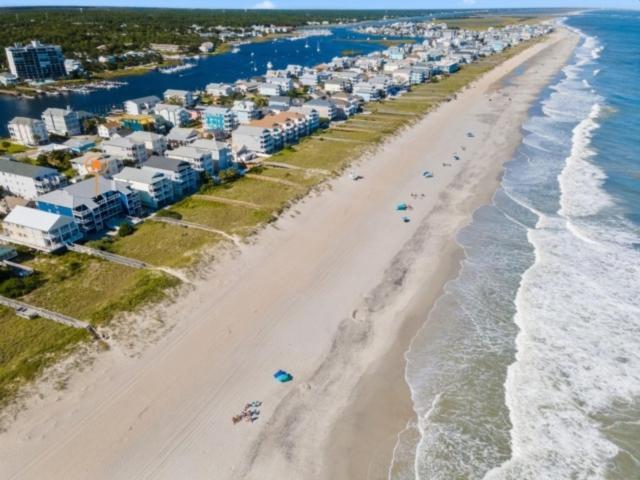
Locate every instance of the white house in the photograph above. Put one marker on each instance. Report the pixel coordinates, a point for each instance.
(254, 139)
(270, 89)
(28, 131)
(199, 159)
(245, 111)
(154, 144)
(28, 181)
(92, 163)
(142, 105)
(183, 97)
(125, 148)
(325, 108)
(40, 230)
(174, 114)
(219, 89)
(219, 151)
(60, 121)
(154, 188)
(183, 178)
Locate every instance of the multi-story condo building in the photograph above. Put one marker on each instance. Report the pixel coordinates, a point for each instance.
(28, 131)
(219, 89)
(219, 119)
(325, 108)
(254, 139)
(154, 188)
(28, 181)
(60, 121)
(40, 230)
(142, 105)
(92, 203)
(174, 114)
(36, 61)
(199, 159)
(312, 117)
(154, 143)
(220, 153)
(245, 111)
(125, 148)
(183, 178)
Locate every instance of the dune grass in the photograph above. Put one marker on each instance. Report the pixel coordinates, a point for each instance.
(164, 245)
(28, 346)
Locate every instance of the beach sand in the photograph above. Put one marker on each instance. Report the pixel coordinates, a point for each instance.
(332, 292)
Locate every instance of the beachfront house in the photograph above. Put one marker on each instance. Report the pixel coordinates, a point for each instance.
(179, 97)
(125, 148)
(62, 122)
(94, 204)
(142, 105)
(41, 230)
(28, 131)
(309, 79)
(311, 116)
(154, 188)
(245, 111)
(220, 153)
(176, 115)
(154, 143)
(28, 181)
(199, 159)
(366, 91)
(183, 178)
(219, 119)
(253, 138)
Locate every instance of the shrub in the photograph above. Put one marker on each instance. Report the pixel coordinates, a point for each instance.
(125, 229)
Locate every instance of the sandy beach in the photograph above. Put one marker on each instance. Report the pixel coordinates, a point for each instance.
(332, 292)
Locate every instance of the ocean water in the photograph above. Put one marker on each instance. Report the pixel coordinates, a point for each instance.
(530, 365)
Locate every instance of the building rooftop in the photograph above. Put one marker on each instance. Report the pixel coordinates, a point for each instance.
(24, 169)
(138, 175)
(36, 219)
(24, 121)
(186, 152)
(164, 163)
(142, 136)
(143, 100)
(181, 134)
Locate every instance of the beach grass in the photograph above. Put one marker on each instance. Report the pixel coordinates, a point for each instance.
(93, 289)
(8, 147)
(164, 245)
(268, 195)
(486, 22)
(302, 178)
(231, 219)
(28, 346)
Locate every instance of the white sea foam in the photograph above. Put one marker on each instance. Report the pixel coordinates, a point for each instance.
(577, 310)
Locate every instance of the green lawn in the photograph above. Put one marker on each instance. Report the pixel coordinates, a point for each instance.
(232, 219)
(93, 289)
(164, 245)
(27, 346)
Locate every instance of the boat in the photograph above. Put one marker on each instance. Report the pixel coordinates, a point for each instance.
(306, 44)
(318, 47)
(177, 68)
(235, 50)
(269, 65)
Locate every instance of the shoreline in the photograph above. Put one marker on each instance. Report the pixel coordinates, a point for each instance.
(368, 400)
(266, 304)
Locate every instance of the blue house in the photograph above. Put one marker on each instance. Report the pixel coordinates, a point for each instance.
(219, 119)
(92, 203)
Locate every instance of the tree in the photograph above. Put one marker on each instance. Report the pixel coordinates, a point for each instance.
(228, 175)
(125, 229)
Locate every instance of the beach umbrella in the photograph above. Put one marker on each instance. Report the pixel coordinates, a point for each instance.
(401, 206)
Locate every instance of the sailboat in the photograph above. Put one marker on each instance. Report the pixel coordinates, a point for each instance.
(318, 47)
(269, 65)
(306, 44)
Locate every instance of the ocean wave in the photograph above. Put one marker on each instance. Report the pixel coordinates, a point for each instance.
(581, 180)
(577, 367)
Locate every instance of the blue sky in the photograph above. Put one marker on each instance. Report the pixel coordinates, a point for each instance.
(337, 3)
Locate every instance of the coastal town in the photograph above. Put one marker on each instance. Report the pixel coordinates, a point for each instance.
(78, 185)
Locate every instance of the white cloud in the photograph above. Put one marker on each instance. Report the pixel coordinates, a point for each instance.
(264, 5)
(469, 2)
